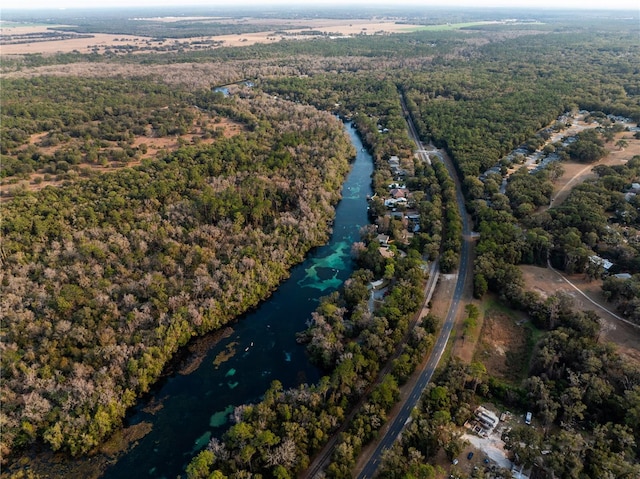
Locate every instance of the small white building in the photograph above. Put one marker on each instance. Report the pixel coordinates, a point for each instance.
(622, 276)
(605, 263)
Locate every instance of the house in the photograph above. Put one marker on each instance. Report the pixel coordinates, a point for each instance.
(398, 193)
(383, 239)
(605, 263)
(392, 202)
(414, 223)
(394, 166)
(483, 422)
(488, 419)
(622, 276)
(632, 191)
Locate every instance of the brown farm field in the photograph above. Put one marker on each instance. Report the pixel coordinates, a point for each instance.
(295, 29)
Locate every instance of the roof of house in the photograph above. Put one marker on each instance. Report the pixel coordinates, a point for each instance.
(605, 263)
(382, 238)
(623, 276)
(398, 192)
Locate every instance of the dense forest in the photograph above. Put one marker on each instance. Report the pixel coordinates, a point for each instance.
(105, 276)
(103, 279)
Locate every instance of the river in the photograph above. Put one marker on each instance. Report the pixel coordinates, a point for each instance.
(190, 409)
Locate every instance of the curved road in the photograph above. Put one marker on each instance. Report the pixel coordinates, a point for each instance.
(598, 305)
(464, 270)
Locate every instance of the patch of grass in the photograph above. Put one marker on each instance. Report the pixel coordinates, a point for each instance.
(533, 336)
(492, 302)
(507, 341)
(448, 350)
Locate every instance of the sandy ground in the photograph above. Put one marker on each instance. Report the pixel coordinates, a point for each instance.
(547, 282)
(102, 41)
(502, 346)
(492, 446)
(36, 181)
(576, 173)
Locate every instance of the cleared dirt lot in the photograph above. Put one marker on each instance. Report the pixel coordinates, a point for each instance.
(502, 346)
(547, 282)
(576, 173)
(294, 30)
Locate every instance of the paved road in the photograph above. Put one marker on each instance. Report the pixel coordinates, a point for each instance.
(322, 459)
(465, 269)
(422, 153)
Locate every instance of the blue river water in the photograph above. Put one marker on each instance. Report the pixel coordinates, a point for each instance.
(194, 407)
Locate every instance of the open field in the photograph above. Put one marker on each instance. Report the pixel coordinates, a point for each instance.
(99, 42)
(503, 347)
(95, 42)
(455, 26)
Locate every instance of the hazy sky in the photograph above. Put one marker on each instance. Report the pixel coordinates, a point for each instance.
(590, 4)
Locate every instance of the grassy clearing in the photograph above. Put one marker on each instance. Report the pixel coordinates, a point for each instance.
(506, 342)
